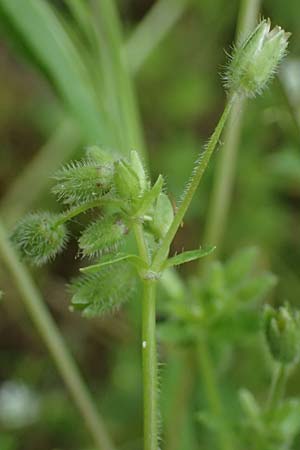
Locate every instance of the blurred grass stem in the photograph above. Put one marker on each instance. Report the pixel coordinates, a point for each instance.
(55, 343)
(212, 392)
(151, 30)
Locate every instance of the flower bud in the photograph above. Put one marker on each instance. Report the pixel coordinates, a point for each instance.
(281, 328)
(102, 236)
(103, 292)
(126, 181)
(82, 182)
(39, 237)
(254, 62)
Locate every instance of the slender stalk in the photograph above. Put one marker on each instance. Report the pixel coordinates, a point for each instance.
(55, 343)
(149, 352)
(73, 212)
(149, 367)
(193, 184)
(277, 387)
(212, 392)
(226, 165)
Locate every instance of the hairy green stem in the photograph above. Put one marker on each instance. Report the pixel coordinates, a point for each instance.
(55, 343)
(212, 392)
(149, 366)
(149, 352)
(73, 212)
(277, 387)
(226, 165)
(192, 186)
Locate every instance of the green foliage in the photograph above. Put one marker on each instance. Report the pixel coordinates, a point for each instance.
(270, 430)
(222, 304)
(39, 237)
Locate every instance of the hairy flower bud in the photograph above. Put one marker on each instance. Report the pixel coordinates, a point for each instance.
(281, 328)
(82, 182)
(255, 61)
(39, 237)
(103, 292)
(102, 236)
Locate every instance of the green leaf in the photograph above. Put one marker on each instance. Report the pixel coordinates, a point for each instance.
(133, 259)
(191, 255)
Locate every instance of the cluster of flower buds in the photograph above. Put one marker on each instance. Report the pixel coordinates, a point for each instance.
(255, 61)
(120, 194)
(282, 332)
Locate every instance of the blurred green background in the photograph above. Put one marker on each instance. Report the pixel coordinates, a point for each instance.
(48, 114)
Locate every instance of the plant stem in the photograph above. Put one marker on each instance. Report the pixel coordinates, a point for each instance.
(277, 387)
(55, 343)
(149, 352)
(73, 212)
(149, 366)
(225, 172)
(201, 165)
(212, 392)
